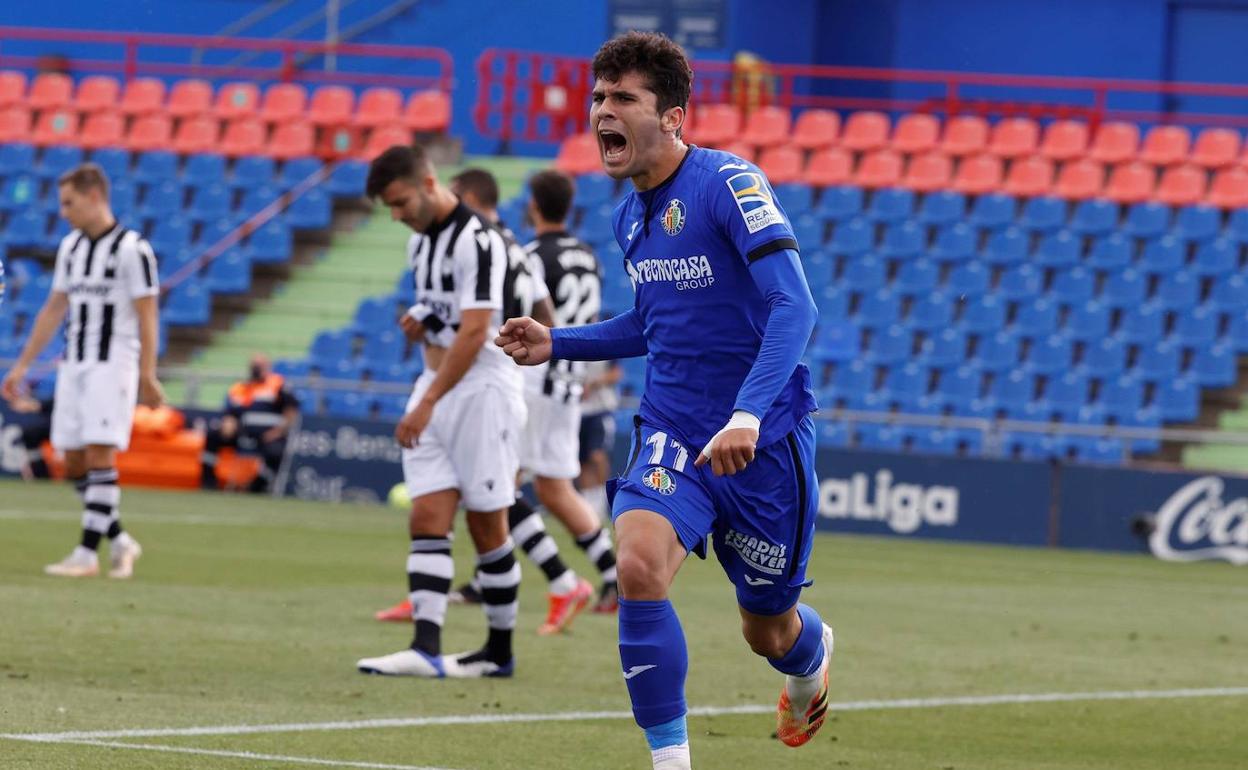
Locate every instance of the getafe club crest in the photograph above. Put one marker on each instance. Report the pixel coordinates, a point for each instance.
(674, 217)
(659, 480)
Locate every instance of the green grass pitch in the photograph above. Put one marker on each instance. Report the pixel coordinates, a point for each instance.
(249, 611)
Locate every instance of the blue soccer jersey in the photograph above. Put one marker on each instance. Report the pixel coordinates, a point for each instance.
(688, 245)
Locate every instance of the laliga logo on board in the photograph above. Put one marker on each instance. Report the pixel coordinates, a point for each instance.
(904, 507)
(1196, 524)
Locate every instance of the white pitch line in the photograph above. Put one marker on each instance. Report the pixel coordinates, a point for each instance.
(251, 755)
(578, 716)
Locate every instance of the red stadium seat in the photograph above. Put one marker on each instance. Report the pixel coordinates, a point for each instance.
(1182, 185)
(1080, 180)
(97, 92)
(740, 149)
(244, 136)
(881, 168)
(292, 140)
(190, 98)
(1130, 183)
(1065, 140)
(978, 174)
(332, 106)
(385, 137)
(816, 129)
(50, 91)
(143, 96)
(915, 133)
(579, 155)
(767, 127)
(928, 172)
(12, 88)
(865, 131)
(237, 100)
(1165, 145)
(782, 165)
(14, 124)
(104, 129)
(56, 127)
(1216, 147)
(1229, 188)
(714, 124)
(828, 167)
(428, 112)
(150, 132)
(965, 135)
(283, 102)
(1029, 177)
(1115, 143)
(197, 135)
(1014, 137)
(379, 107)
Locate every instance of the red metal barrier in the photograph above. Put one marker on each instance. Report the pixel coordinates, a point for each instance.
(542, 97)
(128, 51)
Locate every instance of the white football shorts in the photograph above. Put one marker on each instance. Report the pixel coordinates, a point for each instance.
(94, 404)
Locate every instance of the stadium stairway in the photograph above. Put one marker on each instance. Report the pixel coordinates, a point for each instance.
(1225, 410)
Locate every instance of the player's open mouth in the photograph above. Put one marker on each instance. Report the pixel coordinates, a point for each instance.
(614, 145)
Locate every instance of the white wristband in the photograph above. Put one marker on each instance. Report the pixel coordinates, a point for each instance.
(740, 419)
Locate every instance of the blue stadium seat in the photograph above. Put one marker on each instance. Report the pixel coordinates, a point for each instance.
(1067, 393)
(1237, 333)
(21, 192)
(1215, 366)
(392, 373)
(1163, 256)
(1237, 226)
(296, 170)
(983, 315)
(1104, 358)
(890, 205)
(155, 167)
(1216, 258)
(935, 441)
(880, 438)
(838, 204)
(1051, 355)
(954, 243)
(1122, 396)
(229, 273)
(864, 274)
(58, 159)
(346, 370)
(998, 352)
(1043, 214)
(391, 406)
(808, 229)
(1087, 322)
(969, 279)
(1101, 450)
(348, 179)
(374, 314)
(347, 404)
(1197, 223)
(1147, 417)
(204, 169)
(992, 212)
(1073, 286)
(1178, 292)
(170, 263)
(1058, 249)
(906, 384)
(1147, 220)
(1158, 360)
(161, 200)
(831, 434)
(1032, 446)
(616, 297)
(1142, 324)
(1178, 399)
(852, 237)
(210, 202)
(890, 346)
(945, 348)
(170, 234)
(1230, 293)
(931, 312)
(879, 309)
(123, 198)
(188, 304)
(1013, 389)
(16, 158)
(27, 229)
(916, 278)
(1094, 217)
(836, 341)
(959, 387)
(1110, 252)
(903, 240)
(818, 267)
(329, 347)
(853, 379)
(312, 211)
(271, 244)
(1124, 289)
(292, 369)
(795, 198)
(943, 207)
(253, 171)
(1006, 247)
(384, 347)
(113, 160)
(1036, 319)
(1198, 327)
(33, 295)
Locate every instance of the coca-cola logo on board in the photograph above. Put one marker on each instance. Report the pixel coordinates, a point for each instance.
(1195, 524)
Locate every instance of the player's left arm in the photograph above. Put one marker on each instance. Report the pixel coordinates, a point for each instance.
(140, 279)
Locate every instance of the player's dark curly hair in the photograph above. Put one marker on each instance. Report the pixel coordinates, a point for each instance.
(398, 162)
(655, 57)
(552, 194)
(480, 183)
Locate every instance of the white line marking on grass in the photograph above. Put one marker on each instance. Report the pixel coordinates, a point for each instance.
(578, 716)
(250, 755)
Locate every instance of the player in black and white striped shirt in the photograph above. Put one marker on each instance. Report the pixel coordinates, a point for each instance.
(106, 283)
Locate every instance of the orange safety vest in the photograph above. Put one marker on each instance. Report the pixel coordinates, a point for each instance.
(247, 393)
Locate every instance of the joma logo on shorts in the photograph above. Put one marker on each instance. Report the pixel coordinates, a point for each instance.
(759, 554)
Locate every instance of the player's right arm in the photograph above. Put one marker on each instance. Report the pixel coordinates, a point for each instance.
(46, 323)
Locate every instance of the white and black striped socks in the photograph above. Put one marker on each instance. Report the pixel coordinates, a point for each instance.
(429, 573)
(597, 546)
(499, 574)
(101, 497)
(529, 531)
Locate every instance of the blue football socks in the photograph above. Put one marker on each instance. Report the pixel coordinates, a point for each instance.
(655, 660)
(804, 657)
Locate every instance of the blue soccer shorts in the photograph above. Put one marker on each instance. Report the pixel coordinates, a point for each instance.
(761, 520)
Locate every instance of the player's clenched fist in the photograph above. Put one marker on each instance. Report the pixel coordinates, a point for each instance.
(525, 340)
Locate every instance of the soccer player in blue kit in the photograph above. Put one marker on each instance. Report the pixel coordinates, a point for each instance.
(724, 443)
